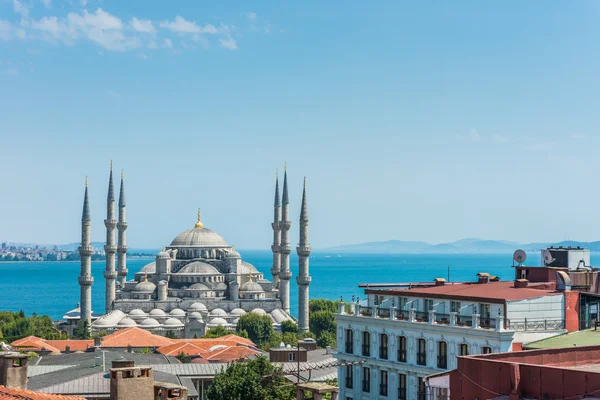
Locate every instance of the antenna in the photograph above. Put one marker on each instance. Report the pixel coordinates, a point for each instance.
(519, 257)
(547, 257)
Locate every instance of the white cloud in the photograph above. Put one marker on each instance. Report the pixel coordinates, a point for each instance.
(578, 136)
(20, 8)
(47, 3)
(229, 43)
(474, 135)
(499, 139)
(21, 33)
(168, 43)
(144, 26)
(251, 16)
(51, 26)
(5, 30)
(142, 56)
(181, 25)
(11, 71)
(83, 3)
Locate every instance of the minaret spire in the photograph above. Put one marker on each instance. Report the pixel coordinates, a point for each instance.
(85, 251)
(284, 249)
(121, 227)
(110, 248)
(303, 279)
(276, 235)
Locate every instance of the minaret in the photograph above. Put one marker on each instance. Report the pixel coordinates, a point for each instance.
(284, 249)
(110, 248)
(276, 236)
(85, 251)
(303, 279)
(121, 227)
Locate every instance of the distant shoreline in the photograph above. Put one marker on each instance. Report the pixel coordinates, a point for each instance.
(72, 261)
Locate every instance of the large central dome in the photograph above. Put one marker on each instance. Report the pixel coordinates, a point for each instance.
(198, 237)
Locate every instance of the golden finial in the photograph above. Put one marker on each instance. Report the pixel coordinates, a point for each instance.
(145, 277)
(199, 224)
(250, 279)
(86, 181)
(111, 165)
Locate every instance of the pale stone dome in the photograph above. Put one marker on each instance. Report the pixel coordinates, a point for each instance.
(137, 313)
(150, 323)
(217, 312)
(198, 267)
(157, 312)
(195, 315)
(235, 321)
(259, 311)
(145, 286)
(177, 312)
(163, 254)
(198, 237)
(218, 321)
(247, 268)
(221, 286)
(173, 323)
(233, 254)
(149, 268)
(198, 286)
(251, 287)
(126, 323)
(236, 312)
(197, 307)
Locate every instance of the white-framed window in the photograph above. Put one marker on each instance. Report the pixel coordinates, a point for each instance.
(291, 356)
(455, 306)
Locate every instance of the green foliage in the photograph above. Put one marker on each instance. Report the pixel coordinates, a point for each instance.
(326, 338)
(82, 331)
(322, 321)
(258, 327)
(99, 334)
(145, 350)
(216, 332)
(183, 357)
(243, 333)
(290, 338)
(15, 325)
(171, 335)
(289, 326)
(256, 379)
(316, 305)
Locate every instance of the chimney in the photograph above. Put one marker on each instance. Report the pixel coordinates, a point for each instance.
(483, 277)
(168, 391)
(131, 383)
(439, 281)
(521, 283)
(13, 370)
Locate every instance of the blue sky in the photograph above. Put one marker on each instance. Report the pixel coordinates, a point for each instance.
(411, 120)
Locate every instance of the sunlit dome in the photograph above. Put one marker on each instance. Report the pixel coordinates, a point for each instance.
(198, 267)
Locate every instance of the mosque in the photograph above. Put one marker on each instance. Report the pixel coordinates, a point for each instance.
(197, 282)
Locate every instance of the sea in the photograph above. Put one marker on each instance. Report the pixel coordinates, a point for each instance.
(51, 288)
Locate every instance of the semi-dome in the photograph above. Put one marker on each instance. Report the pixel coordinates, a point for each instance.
(247, 268)
(172, 323)
(150, 323)
(198, 237)
(221, 286)
(149, 268)
(195, 315)
(233, 254)
(126, 323)
(218, 312)
(145, 286)
(177, 312)
(197, 307)
(157, 312)
(218, 321)
(198, 267)
(236, 312)
(251, 287)
(198, 286)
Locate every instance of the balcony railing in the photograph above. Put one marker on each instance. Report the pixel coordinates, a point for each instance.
(442, 318)
(365, 311)
(366, 350)
(422, 316)
(421, 395)
(402, 315)
(349, 348)
(366, 386)
(348, 382)
(422, 358)
(402, 355)
(383, 353)
(383, 389)
(464, 320)
(442, 362)
(535, 324)
(401, 393)
(383, 312)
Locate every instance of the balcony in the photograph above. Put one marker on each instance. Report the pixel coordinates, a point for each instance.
(383, 313)
(383, 353)
(526, 324)
(442, 318)
(422, 316)
(464, 320)
(402, 315)
(365, 311)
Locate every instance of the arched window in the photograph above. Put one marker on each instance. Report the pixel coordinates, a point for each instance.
(486, 350)
(464, 349)
(366, 344)
(349, 341)
(402, 348)
(383, 346)
(421, 352)
(442, 361)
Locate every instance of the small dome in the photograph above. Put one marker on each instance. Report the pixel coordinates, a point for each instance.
(195, 315)
(247, 268)
(198, 237)
(157, 312)
(197, 307)
(218, 312)
(150, 323)
(145, 287)
(173, 323)
(137, 313)
(237, 312)
(198, 286)
(259, 311)
(218, 321)
(126, 322)
(221, 286)
(233, 254)
(199, 268)
(102, 322)
(163, 254)
(251, 287)
(177, 312)
(149, 268)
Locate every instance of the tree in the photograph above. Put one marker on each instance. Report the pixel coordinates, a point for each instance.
(258, 327)
(145, 350)
(256, 379)
(322, 321)
(326, 338)
(216, 332)
(82, 331)
(171, 335)
(316, 305)
(289, 326)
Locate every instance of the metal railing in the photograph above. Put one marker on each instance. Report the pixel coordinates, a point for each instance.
(442, 318)
(365, 311)
(402, 355)
(402, 314)
(383, 352)
(383, 312)
(536, 324)
(422, 316)
(422, 358)
(464, 320)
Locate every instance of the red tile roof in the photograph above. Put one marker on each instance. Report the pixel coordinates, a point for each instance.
(74, 345)
(492, 292)
(222, 349)
(175, 349)
(34, 343)
(136, 337)
(11, 394)
(230, 354)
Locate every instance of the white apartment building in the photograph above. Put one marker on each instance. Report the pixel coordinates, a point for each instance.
(404, 333)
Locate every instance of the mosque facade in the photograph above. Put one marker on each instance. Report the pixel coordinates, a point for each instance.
(195, 283)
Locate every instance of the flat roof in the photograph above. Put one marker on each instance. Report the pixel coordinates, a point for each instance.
(493, 292)
(588, 337)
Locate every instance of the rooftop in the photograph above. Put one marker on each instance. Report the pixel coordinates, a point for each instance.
(22, 394)
(587, 337)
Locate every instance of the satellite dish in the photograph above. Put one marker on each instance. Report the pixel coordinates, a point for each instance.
(547, 256)
(519, 256)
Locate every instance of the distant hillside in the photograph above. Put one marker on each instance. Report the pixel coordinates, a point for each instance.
(100, 246)
(468, 245)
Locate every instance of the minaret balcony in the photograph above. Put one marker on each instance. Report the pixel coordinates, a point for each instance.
(285, 249)
(110, 248)
(110, 274)
(110, 223)
(86, 280)
(122, 248)
(285, 225)
(285, 275)
(275, 226)
(304, 251)
(123, 272)
(86, 251)
(121, 225)
(275, 271)
(303, 280)
(275, 248)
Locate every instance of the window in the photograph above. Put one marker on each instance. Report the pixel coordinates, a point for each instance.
(401, 387)
(291, 356)
(366, 344)
(421, 352)
(464, 349)
(378, 299)
(427, 305)
(366, 382)
(349, 376)
(442, 361)
(383, 383)
(486, 350)
(402, 348)
(402, 303)
(484, 310)
(441, 394)
(421, 390)
(383, 346)
(455, 306)
(349, 340)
